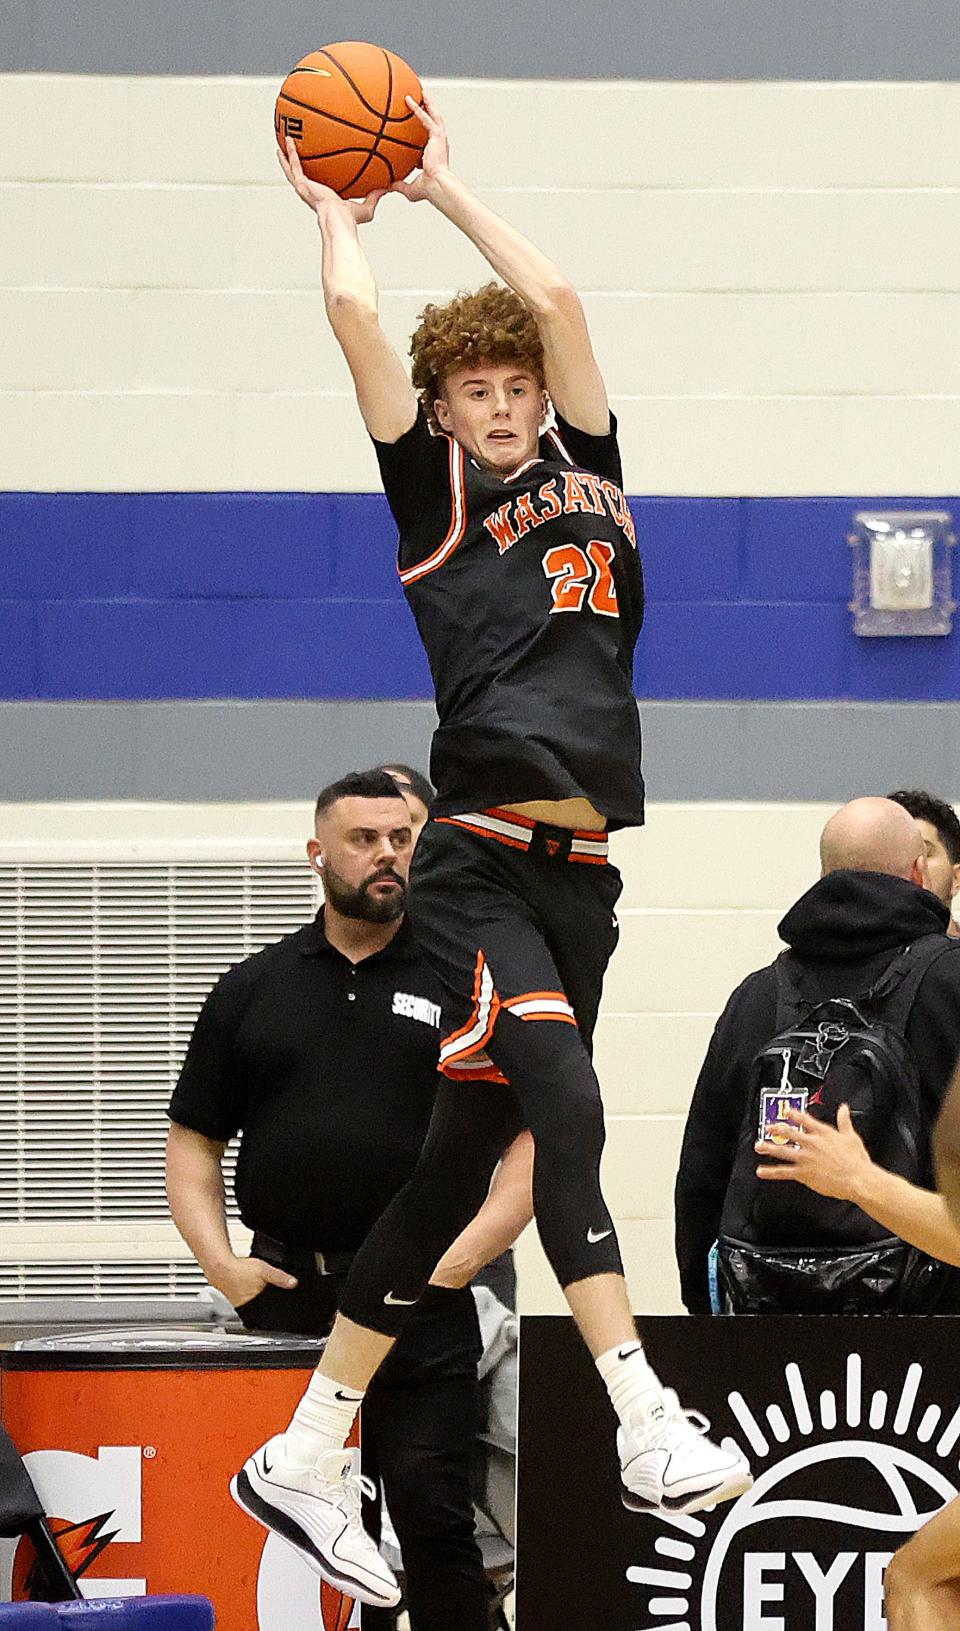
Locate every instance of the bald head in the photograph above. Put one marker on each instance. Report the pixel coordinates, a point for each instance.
(873, 835)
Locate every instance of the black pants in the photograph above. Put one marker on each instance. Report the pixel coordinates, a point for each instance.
(517, 919)
(419, 1428)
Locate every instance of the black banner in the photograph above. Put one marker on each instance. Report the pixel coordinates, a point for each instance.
(851, 1426)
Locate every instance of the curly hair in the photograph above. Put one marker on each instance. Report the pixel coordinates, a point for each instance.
(491, 326)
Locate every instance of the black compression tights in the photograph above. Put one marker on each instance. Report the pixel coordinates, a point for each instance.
(555, 1093)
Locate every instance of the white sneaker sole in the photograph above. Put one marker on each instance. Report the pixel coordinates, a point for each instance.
(280, 1523)
(728, 1488)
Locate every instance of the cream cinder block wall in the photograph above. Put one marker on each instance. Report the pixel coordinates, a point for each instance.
(704, 888)
(767, 269)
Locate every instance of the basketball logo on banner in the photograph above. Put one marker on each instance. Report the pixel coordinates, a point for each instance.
(92, 1501)
(842, 1478)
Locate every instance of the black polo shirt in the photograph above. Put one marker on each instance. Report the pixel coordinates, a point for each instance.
(329, 1068)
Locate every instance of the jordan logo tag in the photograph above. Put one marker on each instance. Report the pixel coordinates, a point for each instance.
(552, 847)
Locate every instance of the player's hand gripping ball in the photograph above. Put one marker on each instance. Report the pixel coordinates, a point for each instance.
(345, 110)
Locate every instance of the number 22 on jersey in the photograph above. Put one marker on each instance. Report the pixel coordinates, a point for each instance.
(582, 574)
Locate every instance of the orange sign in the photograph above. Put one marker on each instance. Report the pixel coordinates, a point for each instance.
(134, 1466)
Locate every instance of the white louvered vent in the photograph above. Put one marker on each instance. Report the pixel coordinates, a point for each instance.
(140, 1280)
(103, 968)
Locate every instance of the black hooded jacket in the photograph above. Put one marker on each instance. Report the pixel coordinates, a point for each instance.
(846, 930)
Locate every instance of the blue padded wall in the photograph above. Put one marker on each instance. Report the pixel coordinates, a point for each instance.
(136, 596)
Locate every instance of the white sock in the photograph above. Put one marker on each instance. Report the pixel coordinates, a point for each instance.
(633, 1386)
(322, 1420)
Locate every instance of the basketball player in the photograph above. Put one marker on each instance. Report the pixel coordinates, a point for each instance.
(518, 556)
(922, 1581)
(946, 1149)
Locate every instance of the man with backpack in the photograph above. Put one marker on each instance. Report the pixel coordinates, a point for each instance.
(863, 1010)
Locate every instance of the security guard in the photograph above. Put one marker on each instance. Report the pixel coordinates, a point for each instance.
(323, 1049)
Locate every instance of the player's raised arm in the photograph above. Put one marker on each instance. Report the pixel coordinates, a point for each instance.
(946, 1148)
(384, 393)
(573, 378)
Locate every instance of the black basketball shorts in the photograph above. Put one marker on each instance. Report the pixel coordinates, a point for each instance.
(517, 917)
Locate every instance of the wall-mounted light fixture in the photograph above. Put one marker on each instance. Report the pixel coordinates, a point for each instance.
(902, 572)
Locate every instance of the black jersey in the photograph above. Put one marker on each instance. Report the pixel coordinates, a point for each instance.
(528, 595)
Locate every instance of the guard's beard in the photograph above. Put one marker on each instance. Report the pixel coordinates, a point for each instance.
(358, 902)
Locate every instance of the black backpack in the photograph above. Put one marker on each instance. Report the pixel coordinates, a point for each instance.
(783, 1249)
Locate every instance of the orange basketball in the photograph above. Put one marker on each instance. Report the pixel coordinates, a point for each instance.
(345, 109)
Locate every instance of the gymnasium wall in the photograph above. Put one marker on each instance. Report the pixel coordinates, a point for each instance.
(197, 599)
(189, 500)
(658, 39)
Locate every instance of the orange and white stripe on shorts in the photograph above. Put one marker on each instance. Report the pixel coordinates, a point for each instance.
(479, 1068)
(463, 1054)
(589, 846)
(541, 1005)
(516, 831)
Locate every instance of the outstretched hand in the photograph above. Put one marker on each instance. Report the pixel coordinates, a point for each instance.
(436, 154)
(323, 199)
(829, 1160)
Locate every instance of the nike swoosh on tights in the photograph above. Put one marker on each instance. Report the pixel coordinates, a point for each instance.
(593, 1236)
(399, 1302)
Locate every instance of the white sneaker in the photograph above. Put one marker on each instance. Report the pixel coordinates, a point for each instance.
(672, 1466)
(317, 1509)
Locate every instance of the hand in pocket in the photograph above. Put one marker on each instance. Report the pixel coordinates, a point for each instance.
(245, 1277)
